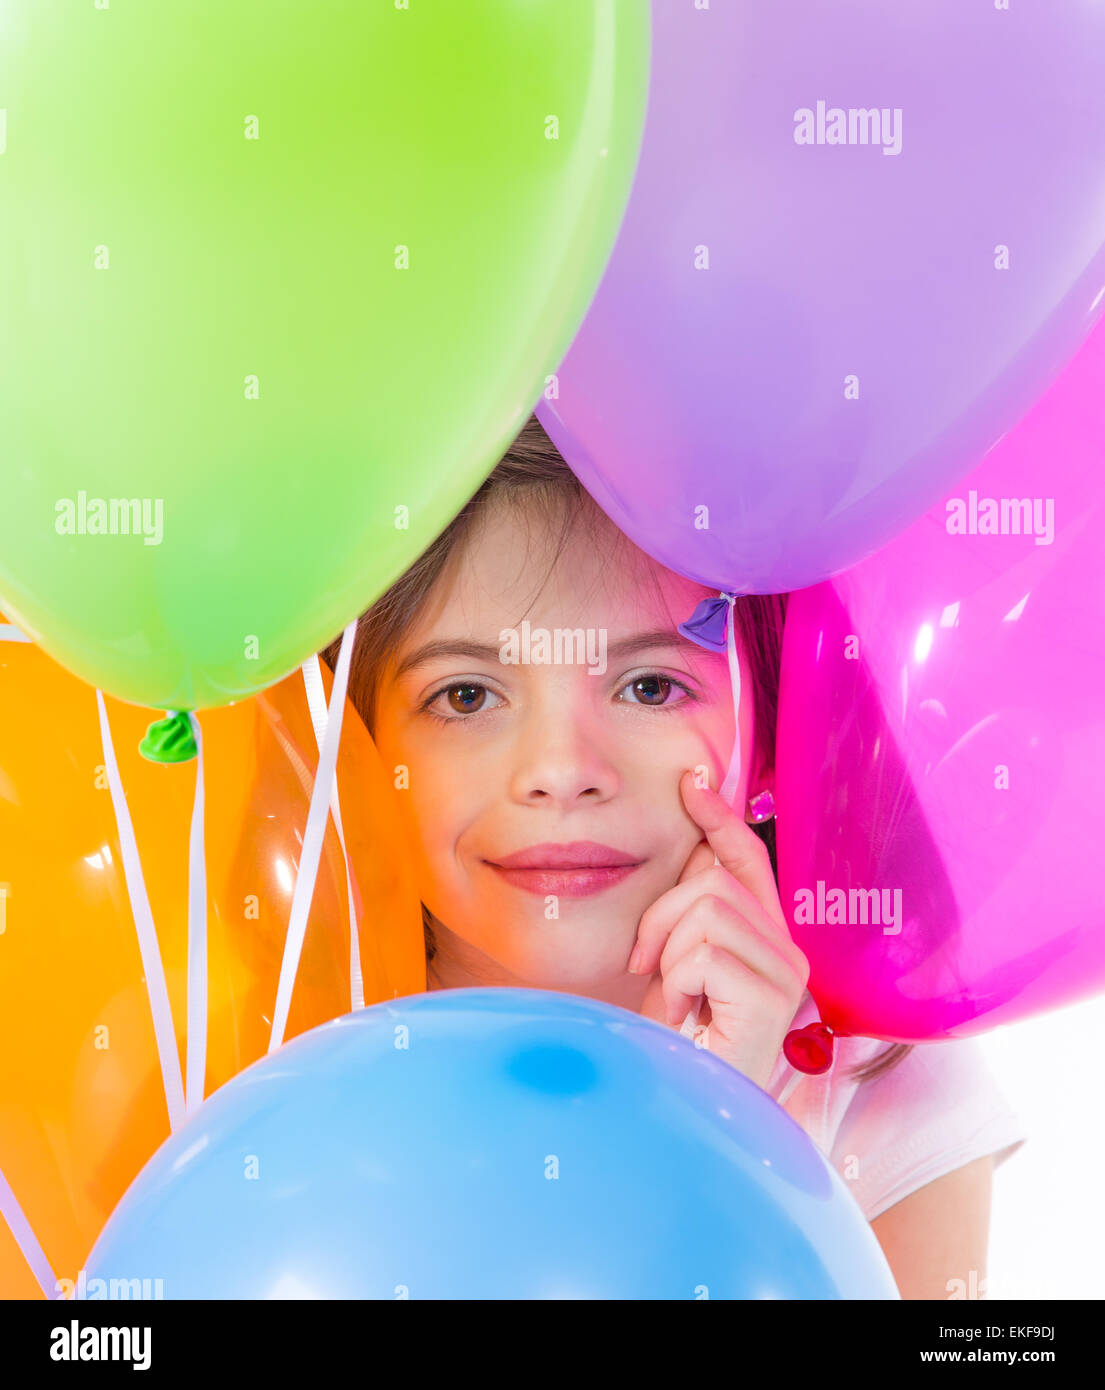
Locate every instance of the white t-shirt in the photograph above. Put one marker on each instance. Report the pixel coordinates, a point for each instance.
(937, 1109)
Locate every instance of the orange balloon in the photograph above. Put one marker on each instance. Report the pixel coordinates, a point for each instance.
(82, 1105)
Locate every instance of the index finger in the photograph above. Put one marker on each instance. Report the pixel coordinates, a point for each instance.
(737, 846)
(702, 857)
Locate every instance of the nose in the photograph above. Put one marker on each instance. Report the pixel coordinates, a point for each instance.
(560, 761)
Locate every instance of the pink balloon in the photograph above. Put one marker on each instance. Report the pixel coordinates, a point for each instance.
(864, 237)
(942, 739)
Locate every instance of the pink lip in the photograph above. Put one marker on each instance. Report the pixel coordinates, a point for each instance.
(580, 854)
(573, 870)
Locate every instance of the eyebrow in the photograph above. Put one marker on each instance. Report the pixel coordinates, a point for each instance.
(481, 651)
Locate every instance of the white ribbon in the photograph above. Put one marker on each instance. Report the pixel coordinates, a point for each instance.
(26, 1239)
(147, 933)
(312, 842)
(733, 774)
(150, 952)
(10, 633)
(196, 1036)
(728, 791)
(785, 1094)
(316, 703)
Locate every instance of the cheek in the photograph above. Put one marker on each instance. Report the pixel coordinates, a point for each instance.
(715, 733)
(702, 740)
(444, 768)
(443, 790)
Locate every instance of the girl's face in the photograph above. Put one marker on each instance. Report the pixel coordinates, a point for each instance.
(551, 754)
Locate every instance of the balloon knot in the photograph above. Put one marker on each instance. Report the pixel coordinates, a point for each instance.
(810, 1049)
(169, 740)
(706, 625)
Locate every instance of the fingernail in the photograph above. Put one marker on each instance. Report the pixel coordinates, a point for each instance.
(635, 960)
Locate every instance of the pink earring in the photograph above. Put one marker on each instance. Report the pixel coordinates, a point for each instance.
(762, 806)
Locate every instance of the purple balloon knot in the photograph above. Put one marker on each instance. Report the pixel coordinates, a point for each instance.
(706, 625)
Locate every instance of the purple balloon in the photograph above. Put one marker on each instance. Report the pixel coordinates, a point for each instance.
(941, 740)
(862, 240)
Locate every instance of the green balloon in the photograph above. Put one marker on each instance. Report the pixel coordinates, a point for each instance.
(279, 283)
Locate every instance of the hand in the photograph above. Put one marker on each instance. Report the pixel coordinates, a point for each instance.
(721, 932)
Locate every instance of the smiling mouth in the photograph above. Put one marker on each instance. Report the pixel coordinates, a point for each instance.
(574, 870)
(578, 882)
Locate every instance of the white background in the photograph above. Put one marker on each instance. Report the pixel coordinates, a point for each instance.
(1048, 1225)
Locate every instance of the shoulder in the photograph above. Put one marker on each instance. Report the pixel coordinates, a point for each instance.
(937, 1109)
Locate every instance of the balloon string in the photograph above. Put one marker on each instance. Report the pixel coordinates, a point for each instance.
(316, 703)
(732, 775)
(728, 792)
(785, 1094)
(196, 1040)
(147, 933)
(26, 1239)
(10, 633)
(312, 842)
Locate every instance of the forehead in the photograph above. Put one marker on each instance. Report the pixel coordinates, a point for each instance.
(522, 559)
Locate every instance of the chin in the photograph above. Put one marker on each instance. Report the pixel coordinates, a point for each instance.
(572, 977)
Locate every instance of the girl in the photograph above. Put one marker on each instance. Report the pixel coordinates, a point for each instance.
(568, 836)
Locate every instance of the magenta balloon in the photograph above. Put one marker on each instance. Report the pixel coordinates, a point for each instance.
(834, 269)
(942, 736)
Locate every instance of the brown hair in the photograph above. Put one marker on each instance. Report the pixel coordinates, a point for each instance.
(532, 470)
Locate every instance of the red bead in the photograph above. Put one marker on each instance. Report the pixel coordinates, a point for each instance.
(809, 1049)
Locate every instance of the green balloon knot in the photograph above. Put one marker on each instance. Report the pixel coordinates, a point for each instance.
(169, 740)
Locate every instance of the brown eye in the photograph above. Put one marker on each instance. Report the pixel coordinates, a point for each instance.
(652, 690)
(466, 698)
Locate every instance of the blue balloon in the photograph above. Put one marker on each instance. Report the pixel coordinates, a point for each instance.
(492, 1144)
